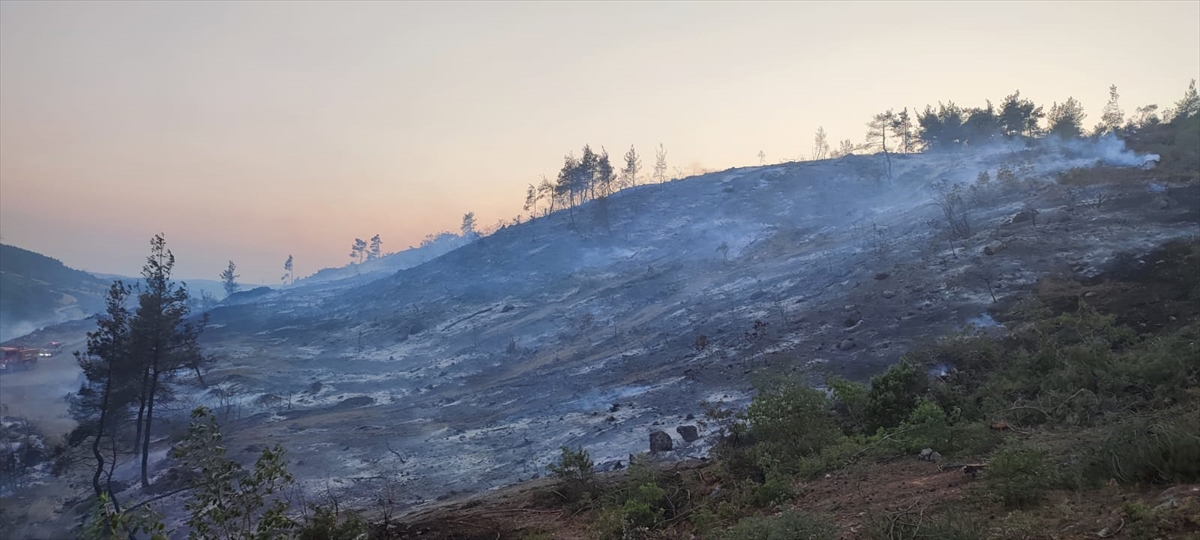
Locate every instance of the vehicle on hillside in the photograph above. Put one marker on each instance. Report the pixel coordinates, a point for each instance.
(16, 359)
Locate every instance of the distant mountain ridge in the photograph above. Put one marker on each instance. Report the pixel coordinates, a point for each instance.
(36, 290)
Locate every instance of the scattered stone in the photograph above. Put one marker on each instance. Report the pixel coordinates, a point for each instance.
(690, 416)
(930, 454)
(615, 407)
(846, 344)
(611, 465)
(660, 442)
(610, 418)
(882, 276)
(689, 433)
(889, 294)
(995, 248)
(356, 401)
(1028, 214)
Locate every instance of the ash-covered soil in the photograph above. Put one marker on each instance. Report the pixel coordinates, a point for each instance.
(597, 326)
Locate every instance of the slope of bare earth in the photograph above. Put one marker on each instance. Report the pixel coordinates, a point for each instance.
(468, 372)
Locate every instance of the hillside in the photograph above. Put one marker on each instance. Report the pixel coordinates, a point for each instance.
(36, 290)
(594, 327)
(475, 367)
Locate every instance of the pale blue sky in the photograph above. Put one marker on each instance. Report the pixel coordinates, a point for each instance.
(248, 131)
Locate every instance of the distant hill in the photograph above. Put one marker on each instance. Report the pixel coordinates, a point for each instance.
(36, 290)
(389, 264)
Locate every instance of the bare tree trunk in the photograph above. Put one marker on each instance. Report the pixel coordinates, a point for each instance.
(146, 431)
(137, 439)
(888, 157)
(96, 445)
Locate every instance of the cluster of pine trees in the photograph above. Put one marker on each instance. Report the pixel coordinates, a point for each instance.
(131, 359)
(945, 127)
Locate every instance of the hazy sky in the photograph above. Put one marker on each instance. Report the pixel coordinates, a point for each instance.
(249, 131)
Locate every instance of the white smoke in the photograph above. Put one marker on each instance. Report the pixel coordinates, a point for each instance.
(1109, 150)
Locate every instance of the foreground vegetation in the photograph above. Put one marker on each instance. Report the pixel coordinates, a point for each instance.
(1071, 408)
(1069, 404)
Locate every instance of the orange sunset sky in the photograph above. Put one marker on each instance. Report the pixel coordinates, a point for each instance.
(251, 130)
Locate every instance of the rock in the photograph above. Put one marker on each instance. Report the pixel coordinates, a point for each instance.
(689, 433)
(930, 454)
(507, 308)
(852, 320)
(356, 401)
(995, 248)
(611, 465)
(1028, 214)
(889, 294)
(315, 387)
(882, 276)
(846, 344)
(690, 416)
(660, 442)
(615, 407)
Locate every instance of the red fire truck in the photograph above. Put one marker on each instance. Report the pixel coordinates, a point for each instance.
(14, 359)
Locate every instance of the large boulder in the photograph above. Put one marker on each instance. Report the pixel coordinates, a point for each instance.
(660, 442)
(689, 433)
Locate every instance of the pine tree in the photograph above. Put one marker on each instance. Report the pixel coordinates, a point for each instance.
(1066, 120)
(604, 177)
(1112, 116)
(878, 128)
(229, 279)
(358, 250)
(820, 144)
(468, 226)
(660, 164)
(110, 382)
(287, 268)
(1189, 105)
(376, 248)
(163, 340)
(633, 164)
(902, 129)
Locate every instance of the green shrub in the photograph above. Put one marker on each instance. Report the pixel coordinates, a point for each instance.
(1019, 475)
(325, 525)
(703, 520)
(913, 526)
(644, 508)
(790, 525)
(894, 395)
(793, 420)
(777, 490)
(830, 458)
(576, 473)
(926, 427)
(849, 403)
(1151, 450)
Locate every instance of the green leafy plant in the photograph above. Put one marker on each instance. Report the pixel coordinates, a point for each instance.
(227, 501)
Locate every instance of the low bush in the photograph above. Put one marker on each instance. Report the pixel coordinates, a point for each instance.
(1161, 449)
(1019, 475)
(790, 525)
(576, 474)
